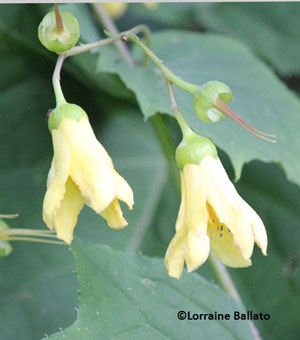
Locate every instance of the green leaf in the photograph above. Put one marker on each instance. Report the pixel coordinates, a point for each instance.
(127, 296)
(259, 96)
(270, 29)
(271, 285)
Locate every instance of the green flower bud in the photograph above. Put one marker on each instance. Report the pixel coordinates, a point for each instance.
(55, 39)
(71, 111)
(205, 99)
(5, 247)
(193, 149)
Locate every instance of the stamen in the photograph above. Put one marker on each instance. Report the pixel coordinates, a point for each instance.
(234, 116)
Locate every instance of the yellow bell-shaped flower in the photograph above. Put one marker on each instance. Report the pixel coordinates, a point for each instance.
(81, 172)
(115, 9)
(212, 216)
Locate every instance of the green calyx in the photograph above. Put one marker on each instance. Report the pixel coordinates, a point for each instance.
(5, 247)
(205, 99)
(55, 39)
(70, 111)
(193, 149)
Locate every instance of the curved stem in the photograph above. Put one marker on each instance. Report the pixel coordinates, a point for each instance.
(85, 47)
(110, 25)
(192, 89)
(59, 96)
(167, 144)
(147, 34)
(186, 130)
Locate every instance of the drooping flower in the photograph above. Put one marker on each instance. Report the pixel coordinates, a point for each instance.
(115, 9)
(212, 215)
(81, 172)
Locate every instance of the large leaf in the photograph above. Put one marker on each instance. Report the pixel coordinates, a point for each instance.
(126, 296)
(259, 96)
(272, 284)
(271, 30)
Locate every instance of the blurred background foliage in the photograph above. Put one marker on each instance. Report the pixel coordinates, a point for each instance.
(38, 289)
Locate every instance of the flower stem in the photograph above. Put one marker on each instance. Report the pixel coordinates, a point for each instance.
(110, 25)
(186, 130)
(9, 215)
(223, 277)
(167, 144)
(32, 239)
(59, 96)
(85, 47)
(192, 89)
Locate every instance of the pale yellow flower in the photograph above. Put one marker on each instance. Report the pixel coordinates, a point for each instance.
(212, 216)
(82, 172)
(115, 9)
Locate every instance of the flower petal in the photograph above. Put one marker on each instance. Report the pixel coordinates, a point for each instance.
(66, 217)
(123, 190)
(196, 216)
(197, 250)
(190, 242)
(225, 248)
(229, 208)
(259, 231)
(114, 216)
(91, 167)
(174, 258)
(57, 177)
